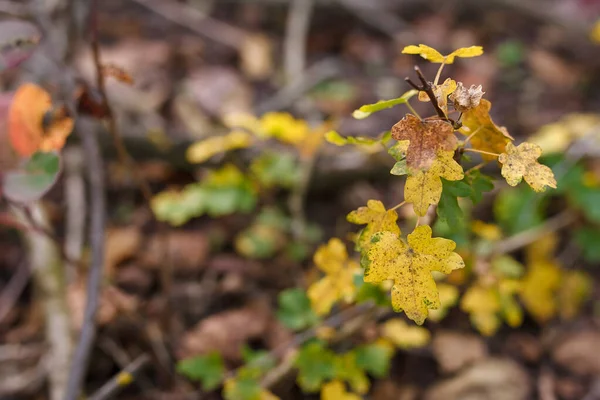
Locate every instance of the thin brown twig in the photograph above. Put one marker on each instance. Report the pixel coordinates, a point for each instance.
(113, 127)
(120, 380)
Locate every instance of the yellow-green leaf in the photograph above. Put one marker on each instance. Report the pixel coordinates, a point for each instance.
(521, 162)
(377, 219)
(424, 188)
(205, 149)
(410, 265)
(368, 109)
(335, 390)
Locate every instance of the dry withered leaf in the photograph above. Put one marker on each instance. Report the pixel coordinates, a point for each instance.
(426, 138)
(574, 352)
(488, 136)
(121, 244)
(490, 379)
(520, 162)
(227, 331)
(465, 99)
(455, 350)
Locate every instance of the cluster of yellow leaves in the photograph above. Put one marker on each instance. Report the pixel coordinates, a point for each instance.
(246, 129)
(558, 136)
(337, 284)
(547, 289)
(410, 265)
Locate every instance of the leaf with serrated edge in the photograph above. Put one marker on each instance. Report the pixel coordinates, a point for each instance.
(377, 219)
(410, 266)
(521, 162)
(424, 188)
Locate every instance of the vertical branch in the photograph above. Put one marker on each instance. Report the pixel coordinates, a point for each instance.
(49, 276)
(298, 24)
(97, 220)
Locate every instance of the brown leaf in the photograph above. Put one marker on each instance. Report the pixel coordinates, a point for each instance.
(576, 353)
(187, 251)
(121, 244)
(488, 137)
(454, 350)
(464, 99)
(228, 331)
(426, 138)
(491, 379)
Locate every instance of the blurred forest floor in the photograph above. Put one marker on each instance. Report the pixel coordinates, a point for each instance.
(173, 293)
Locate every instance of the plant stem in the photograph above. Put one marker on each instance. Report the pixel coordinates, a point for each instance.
(439, 73)
(398, 206)
(412, 110)
(483, 152)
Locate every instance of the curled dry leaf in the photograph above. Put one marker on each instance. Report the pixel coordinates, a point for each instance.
(520, 162)
(30, 129)
(487, 135)
(426, 138)
(465, 99)
(410, 265)
(441, 93)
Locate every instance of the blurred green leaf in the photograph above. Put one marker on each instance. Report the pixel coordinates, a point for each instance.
(35, 177)
(448, 209)
(208, 369)
(588, 239)
(510, 53)
(518, 209)
(276, 169)
(295, 310)
(479, 183)
(316, 364)
(242, 388)
(369, 292)
(374, 358)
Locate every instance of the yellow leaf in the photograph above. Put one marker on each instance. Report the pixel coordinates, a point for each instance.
(488, 136)
(377, 219)
(267, 395)
(448, 299)
(335, 390)
(404, 336)
(124, 378)
(486, 231)
(424, 188)
(521, 162)
(425, 138)
(410, 266)
(434, 56)
(205, 149)
(539, 288)
(595, 32)
(284, 127)
(483, 305)
(542, 249)
(338, 282)
(575, 289)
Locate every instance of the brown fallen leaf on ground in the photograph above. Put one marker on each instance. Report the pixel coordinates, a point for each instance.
(228, 331)
(186, 251)
(577, 352)
(455, 350)
(121, 245)
(490, 379)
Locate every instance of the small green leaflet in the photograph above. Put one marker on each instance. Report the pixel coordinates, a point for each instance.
(448, 209)
(587, 239)
(479, 184)
(208, 369)
(316, 364)
(35, 177)
(368, 109)
(295, 311)
(373, 358)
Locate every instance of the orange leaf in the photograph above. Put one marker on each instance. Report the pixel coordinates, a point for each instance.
(29, 127)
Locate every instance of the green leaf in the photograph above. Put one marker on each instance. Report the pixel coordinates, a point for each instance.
(276, 169)
(400, 168)
(316, 364)
(335, 138)
(368, 109)
(208, 369)
(518, 209)
(34, 179)
(448, 209)
(398, 150)
(261, 360)
(295, 310)
(375, 359)
(479, 183)
(347, 369)
(369, 292)
(243, 388)
(588, 239)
